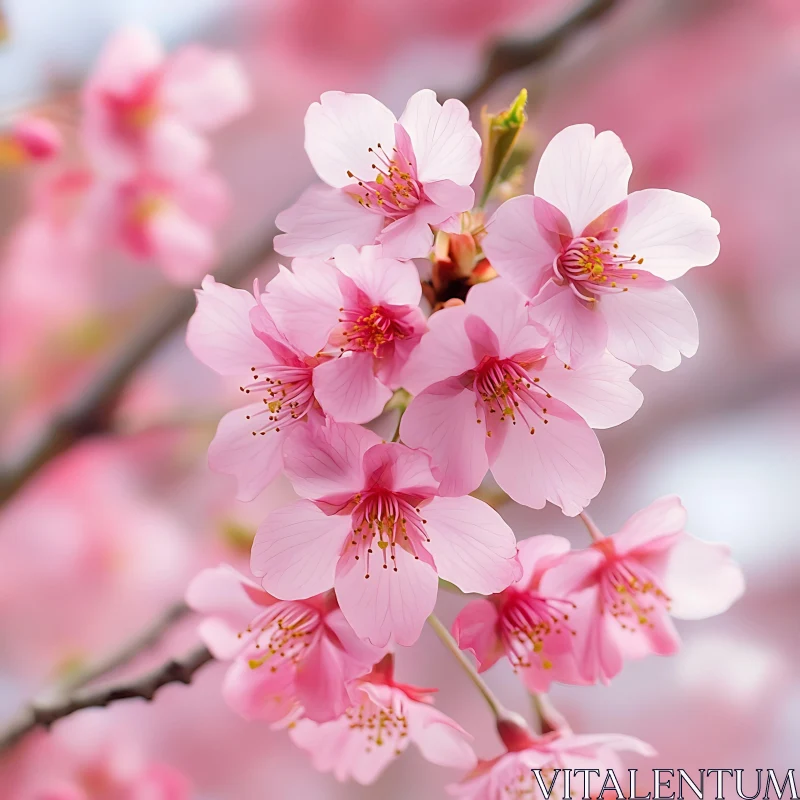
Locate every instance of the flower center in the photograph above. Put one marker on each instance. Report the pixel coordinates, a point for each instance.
(395, 191)
(507, 392)
(632, 597)
(593, 266)
(385, 521)
(527, 623)
(281, 635)
(378, 726)
(289, 396)
(368, 330)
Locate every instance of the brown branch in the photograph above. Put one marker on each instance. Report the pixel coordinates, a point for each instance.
(43, 715)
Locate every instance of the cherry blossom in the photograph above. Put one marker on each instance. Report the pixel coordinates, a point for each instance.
(283, 653)
(384, 718)
(234, 335)
(29, 138)
(596, 261)
(629, 585)
(373, 528)
(484, 362)
(144, 110)
(364, 311)
(530, 629)
(387, 180)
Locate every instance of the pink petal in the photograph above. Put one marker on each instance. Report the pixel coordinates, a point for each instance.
(220, 590)
(442, 420)
(400, 469)
(348, 389)
(673, 232)
(362, 654)
(440, 739)
(538, 553)
(219, 332)
(652, 323)
(341, 129)
(389, 605)
(665, 517)
(583, 175)
(254, 461)
(579, 330)
(471, 545)
(296, 549)
(408, 237)
(384, 280)
(517, 248)
(259, 693)
(221, 638)
(174, 149)
(561, 462)
(304, 302)
(127, 58)
(184, 248)
(445, 143)
(450, 198)
(204, 197)
(601, 391)
(320, 682)
(475, 630)
(702, 580)
(321, 220)
(324, 460)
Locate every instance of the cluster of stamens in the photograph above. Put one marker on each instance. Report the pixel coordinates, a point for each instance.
(591, 267)
(281, 635)
(385, 521)
(289, 395)
(395, 191)
(379, 726)
(368, 330)
(630, 598)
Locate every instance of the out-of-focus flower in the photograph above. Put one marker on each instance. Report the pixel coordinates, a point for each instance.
(234, 335)
(146, 111)
(364, 311)
(595, 261)
(283, 653)
(388, 181)
(374, 529)
(485, 362)
(29, 138)
(529, 628)
(384, 718)
(627, 586)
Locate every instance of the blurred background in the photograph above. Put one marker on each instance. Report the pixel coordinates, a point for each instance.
(102, 539)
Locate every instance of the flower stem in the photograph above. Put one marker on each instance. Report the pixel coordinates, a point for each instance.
(450, 643)
(594, 531)
(550, 718)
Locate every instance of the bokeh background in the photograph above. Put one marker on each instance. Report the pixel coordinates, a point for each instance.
(704, 94)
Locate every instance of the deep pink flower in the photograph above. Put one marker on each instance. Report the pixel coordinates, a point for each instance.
(373, 528)
(284, 653)
(509, 776)
(29, 138)
(529, 628)
(595, 261)
(234, 335)
(364, 311)
(627, 586)
(387, 181)
(143, 110)
(383, 719)
(486, 363)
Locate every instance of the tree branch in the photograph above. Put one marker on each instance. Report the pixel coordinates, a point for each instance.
(43, 715)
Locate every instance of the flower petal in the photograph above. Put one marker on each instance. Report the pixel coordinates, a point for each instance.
(664, 517)
(348, 389)
(384, 280)
(475, 630)
(408, 237)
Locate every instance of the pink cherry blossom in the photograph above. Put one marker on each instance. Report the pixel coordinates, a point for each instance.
(509, 776)
(595, 260)
(627, 586)
(234, 335)
(29, 138)
(373, 528)
(283, 653)
(383, 719)
(387, 181)
(486, 363)
(144, 110)
(532, 630)
(364, 311)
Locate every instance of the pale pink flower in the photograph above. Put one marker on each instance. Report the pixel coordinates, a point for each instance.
(144, 110)
(595, 260)
(387, 181)
(373, 528)
(29, 138)
(170, 222)
(234, 335)
(509, 776)
(364, 311)
(627, 586)
(490, 393)
(529, 628)
(284, 653)
(383, 719)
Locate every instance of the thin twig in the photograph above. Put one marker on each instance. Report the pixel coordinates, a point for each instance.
(180, 670)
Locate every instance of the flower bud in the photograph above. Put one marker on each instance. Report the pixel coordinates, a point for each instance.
(500, 134)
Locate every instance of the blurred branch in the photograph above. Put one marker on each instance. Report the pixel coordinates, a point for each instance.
(91, 413)
(42, 715)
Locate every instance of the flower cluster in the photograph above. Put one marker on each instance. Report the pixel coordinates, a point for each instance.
(561, 295)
